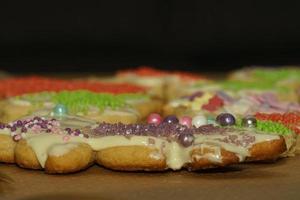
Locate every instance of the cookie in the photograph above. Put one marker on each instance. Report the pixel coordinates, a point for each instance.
(162, 83)
(241, 103)
(285, 78)
(126, 108)
(48, 144)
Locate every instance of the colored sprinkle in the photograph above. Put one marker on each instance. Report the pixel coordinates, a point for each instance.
(289, 120)
(23, 85)
(273, 127)
(39, 125)
(268, 126)
(213, 104)
(81, 101)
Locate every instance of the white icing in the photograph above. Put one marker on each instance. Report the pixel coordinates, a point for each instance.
(20, 102)
(61, 149)
(53, 144)
(156, 155)
(175, 154)
(42, 143)
(5, 131)
(117, 112)
(179, 102)
(214, 155)
(75, 122)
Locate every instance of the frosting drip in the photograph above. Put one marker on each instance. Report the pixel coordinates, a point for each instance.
(164, 137)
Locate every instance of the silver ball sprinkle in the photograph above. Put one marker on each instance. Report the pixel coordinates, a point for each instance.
(249, 122)
(60, 110)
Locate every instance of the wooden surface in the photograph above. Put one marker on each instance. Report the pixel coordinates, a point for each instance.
(280, 180)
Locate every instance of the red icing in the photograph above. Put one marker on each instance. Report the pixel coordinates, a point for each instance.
(290, 120)
(22, 85)
(149, 71)
(144, 71)
(213, 104)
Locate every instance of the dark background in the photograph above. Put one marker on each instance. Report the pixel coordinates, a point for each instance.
(88, 36)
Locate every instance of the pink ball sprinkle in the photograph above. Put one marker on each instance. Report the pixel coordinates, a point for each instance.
(186, 120)
(17, 138)
(154, 118)
(66, 138)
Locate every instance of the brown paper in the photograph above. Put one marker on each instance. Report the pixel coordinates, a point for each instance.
(280, 180)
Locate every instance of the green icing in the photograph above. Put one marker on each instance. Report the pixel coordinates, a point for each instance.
(273, 127)
(260, 79)
(81, 100)
(237, 85)
(276, 75)
(268, 127)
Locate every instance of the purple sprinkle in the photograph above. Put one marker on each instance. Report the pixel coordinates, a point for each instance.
(13, 128)
(195, 95)
(19, 123)
(68, 130)
(37, 118)
(2, 126)
(44, 126)
(77, 132)
(24, 130)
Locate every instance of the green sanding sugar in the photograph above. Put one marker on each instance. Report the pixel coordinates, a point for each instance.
(261, 79)
(237, 85)
(273, 127)
(81, 100)
(268, 127)
(276, 75)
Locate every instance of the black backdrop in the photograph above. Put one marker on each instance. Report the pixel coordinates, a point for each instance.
(87, 36)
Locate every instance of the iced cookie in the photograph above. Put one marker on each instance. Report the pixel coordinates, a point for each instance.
(162, 83)
(127, 108)
(72, 144)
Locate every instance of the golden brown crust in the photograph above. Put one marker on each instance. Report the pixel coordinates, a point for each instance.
(131, 158)
(25, 156)
(7, 149)
(75, 160)
(199, 161)
(135, 158)
(268, 150)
